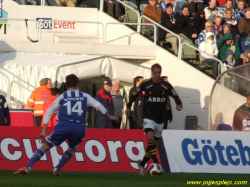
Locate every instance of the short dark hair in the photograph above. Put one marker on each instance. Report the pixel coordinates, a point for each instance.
(136, 79)
(185, 6)
(155, 66)
(54, 91)
(169, 6)
(71, 80)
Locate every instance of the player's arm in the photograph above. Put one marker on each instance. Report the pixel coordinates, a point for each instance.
(176, 97)
(132, 97)
(97, 105)
(52, 109)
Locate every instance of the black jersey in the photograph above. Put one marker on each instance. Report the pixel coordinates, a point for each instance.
(155, 102)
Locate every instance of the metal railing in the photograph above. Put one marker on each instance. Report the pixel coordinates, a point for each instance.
(131, 8)
(19, 84)
(201, 52)
(129, 37)
(21, 19)
(159, 25)
(38, 26)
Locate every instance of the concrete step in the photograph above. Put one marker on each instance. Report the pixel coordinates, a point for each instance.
(77, 39)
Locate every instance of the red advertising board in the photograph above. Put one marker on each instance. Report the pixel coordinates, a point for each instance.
(105, 150)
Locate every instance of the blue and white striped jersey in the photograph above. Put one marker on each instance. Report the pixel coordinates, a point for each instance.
(73, 106)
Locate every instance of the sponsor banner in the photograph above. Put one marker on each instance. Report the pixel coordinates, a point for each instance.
(104, 150)
(54, 22)
(207, 151)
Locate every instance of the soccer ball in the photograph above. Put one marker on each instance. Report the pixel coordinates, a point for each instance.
(155, 169)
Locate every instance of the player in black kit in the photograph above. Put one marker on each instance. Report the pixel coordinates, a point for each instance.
(154, 111)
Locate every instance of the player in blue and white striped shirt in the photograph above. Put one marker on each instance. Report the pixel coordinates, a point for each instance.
(73, 106)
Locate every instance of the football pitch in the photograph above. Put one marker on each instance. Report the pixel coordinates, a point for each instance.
(98, 179)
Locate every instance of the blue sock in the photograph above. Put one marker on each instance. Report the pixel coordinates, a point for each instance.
(65, 158)
(36, 157)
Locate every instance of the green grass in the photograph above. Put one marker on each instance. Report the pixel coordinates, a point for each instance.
(97, 179)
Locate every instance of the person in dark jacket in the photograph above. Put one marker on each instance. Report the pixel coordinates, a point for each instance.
(200, 20)
(104, 97)
(241, 116)
(4, 112)
(135, 119)
(189, 25)
(171, 20)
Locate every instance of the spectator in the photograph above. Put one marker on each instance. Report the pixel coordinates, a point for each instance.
(37, 2)
(244, 30)
(163, 5)
(117, 102)
(4, 112)
(229, 5)
(67, 3)
(226, 43)
(226, 29)
(195, 6)
(169, 116)
(189, 26)
(26, 2)
(217, 25)
(171, 21)
(229, 61)
(165, 78)
(200, 20)
(241, 9)
(209, 46)
(135, 119)
(104, 97)
(37, 99)
(208, 28)
(221, 3)
(47, 103)
(243, 59)
(113, 8)
(241, 115)
(211, 11)
(179, 4)
(153, 12)
(232, 22)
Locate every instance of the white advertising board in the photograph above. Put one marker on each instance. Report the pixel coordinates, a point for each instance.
(50, 25)
(207, 151)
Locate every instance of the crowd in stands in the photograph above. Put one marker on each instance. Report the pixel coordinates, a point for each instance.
(221, 29)
(193, 20)
(68, 3)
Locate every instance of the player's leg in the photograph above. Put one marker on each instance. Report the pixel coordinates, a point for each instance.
(148, 127)
(157, 136)
(75, 137)
(35, 157)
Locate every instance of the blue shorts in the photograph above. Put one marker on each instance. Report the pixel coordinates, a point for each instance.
(66, 130)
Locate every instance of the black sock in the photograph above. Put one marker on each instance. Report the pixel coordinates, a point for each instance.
(148, 153)
(153, 152)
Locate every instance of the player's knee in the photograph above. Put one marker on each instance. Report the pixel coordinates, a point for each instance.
(71, 150)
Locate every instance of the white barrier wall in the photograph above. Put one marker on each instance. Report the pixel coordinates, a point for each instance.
(224, 103)
(193, 87)
(207, 152)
